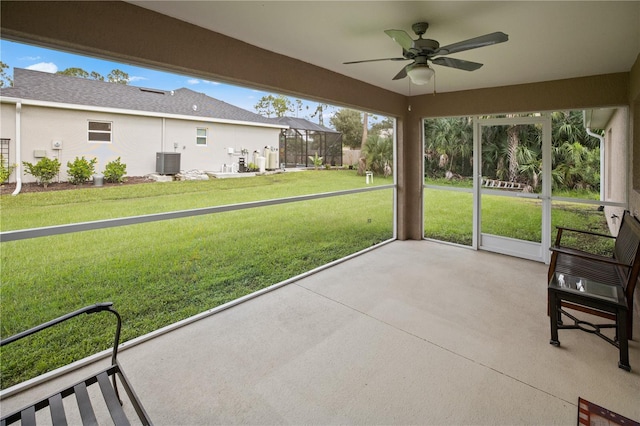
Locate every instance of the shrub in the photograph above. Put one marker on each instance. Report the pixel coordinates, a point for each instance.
(5, 170)
(114, 171)
(81, 170)
(44, 170)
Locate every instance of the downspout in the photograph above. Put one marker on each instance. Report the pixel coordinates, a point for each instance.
(18, 149)
(601, 139)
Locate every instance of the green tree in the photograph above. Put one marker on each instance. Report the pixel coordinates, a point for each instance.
(96, 76)
(448, 146)
(277, 106)
(5, 79)
(575, 154)
(513, 153)
(319, 112)
(349, 123)
(378, 152)
(383, 127)
(118, 76)
(74, 72)
(115, 76)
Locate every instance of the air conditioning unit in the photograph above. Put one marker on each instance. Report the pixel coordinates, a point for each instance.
(168, 163)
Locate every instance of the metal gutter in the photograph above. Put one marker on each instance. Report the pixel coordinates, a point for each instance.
(587, 127)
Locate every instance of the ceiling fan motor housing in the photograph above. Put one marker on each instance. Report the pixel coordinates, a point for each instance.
(426, 45)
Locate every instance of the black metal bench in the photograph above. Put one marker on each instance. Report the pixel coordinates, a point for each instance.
(105, 378)
(599, 285)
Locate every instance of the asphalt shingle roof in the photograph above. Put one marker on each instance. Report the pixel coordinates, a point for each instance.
(42, 86)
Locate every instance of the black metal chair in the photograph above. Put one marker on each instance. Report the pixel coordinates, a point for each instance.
(108, 388)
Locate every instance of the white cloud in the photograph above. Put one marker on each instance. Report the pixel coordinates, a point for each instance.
(29, 58)
(215, 83)
(49, 67)
(193, 81)
(136, 78)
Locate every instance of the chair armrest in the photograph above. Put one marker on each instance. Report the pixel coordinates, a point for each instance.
(582, 231)
(91, 309)
(86, 310)
(587, 255)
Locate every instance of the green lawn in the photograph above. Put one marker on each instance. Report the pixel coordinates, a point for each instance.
(448, 216)
(159, 273)
(32, 210)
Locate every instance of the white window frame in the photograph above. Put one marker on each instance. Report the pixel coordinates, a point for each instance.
(104, 132)
(201, 137)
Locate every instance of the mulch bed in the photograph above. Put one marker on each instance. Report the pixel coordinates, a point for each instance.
(8, 188)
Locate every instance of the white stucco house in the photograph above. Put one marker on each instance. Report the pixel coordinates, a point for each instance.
(64, 117)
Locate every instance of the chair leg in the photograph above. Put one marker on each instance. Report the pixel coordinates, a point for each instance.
(554, 316)
(621, 331)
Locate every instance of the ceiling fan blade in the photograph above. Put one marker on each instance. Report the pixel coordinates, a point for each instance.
(473, 43)
(400, 37)
(402, 74)
(375, 60)
(457, 63)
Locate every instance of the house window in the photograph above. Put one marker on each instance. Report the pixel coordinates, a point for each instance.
(99, 132)
(201, 136)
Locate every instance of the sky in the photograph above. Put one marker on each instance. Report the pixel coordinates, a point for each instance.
(18, 55)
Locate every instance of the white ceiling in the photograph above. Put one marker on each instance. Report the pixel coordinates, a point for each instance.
(548, 40)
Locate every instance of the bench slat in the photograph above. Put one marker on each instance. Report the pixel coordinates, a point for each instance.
(58, 417)
(113, 403)
(597, 271)
(84, 405)
(28, 416)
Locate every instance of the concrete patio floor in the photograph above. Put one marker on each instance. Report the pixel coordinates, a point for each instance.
(413, 332)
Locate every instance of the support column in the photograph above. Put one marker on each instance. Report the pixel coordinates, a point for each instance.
(410, 182)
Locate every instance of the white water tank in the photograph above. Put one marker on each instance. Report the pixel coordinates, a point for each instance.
(261, 164)
(272, 162)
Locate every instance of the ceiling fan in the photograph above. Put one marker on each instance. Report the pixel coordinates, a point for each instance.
(423, 50)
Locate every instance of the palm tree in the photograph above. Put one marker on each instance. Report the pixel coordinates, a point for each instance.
(513, 153)
(449, 145)
(576, 155)
(379, 154)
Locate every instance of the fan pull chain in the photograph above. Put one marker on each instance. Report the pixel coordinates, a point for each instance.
(434, 84)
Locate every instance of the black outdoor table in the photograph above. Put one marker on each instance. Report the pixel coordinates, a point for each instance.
(596, 295)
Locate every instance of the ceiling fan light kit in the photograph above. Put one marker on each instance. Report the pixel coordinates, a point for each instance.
(420, 74)
(422, 50)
